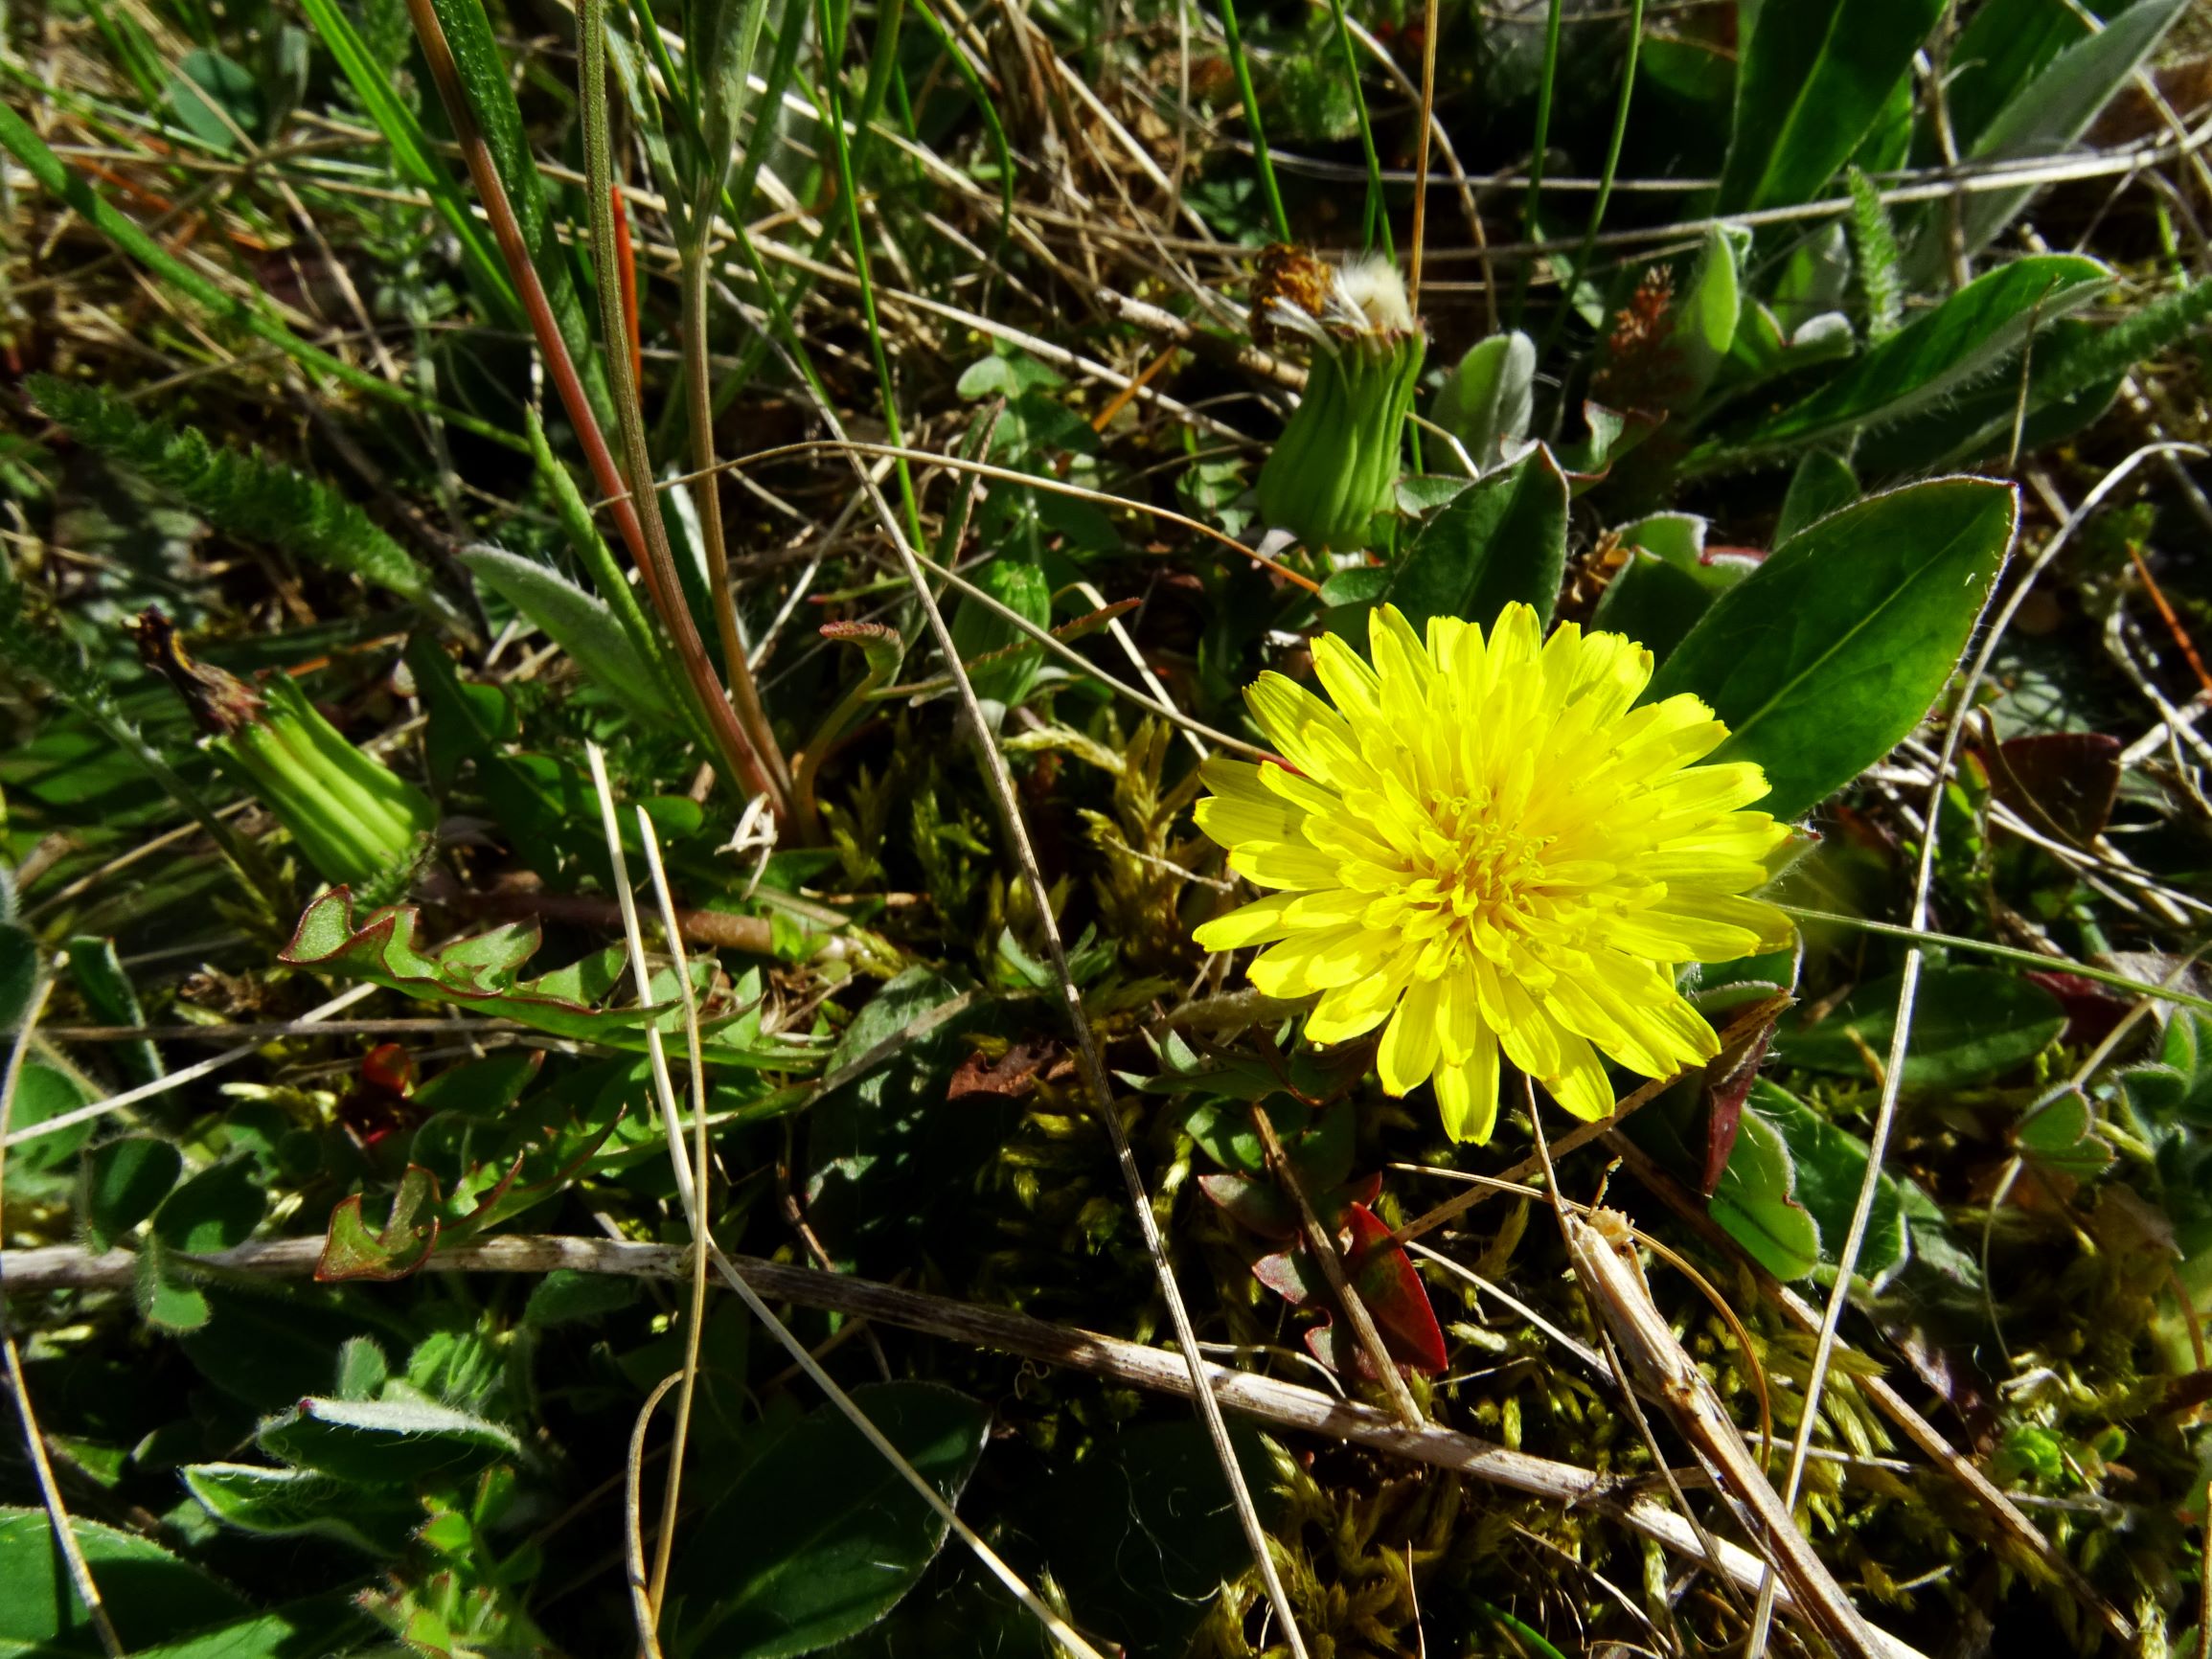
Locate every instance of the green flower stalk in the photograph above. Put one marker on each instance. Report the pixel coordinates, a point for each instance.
(353, 818)
(1336, 464)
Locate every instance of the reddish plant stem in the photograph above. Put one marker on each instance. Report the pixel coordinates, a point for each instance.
(739, 754)
(626, 261)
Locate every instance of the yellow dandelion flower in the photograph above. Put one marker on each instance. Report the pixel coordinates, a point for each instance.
(1483, 844)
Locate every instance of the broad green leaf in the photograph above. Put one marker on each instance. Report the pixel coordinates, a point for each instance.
(1501, 539)
(1831, 1165)
(315, 1624)
(1982, 422)
(1829, 653)
(1822, 484)
(1141, 1535)
(820, 1537)
(1487, 401)
(218, 1207)
(1224, 1132)
(1668, 581)
(152, 1594)
(217, 99)
(111, 999)
(1757, 1202)
(166, 1298)
(385, 1441)
(42, 1092)
(1969, 1025)
(287, 1502)
(2063, 1138)
(1002, 661)
(469, 720)
(2045, 118)
(363, 1368)
(2179, 1083)
(578, 623)
(268, 1347)
(1651, 602)
(1970, 336)
(1814, 78)
(123, 1182)
(2000, 51)
(1888, 141)
(1356, 589)
(1756, 1198)
(563, 1297)
(883, 1151)
(1707, 314)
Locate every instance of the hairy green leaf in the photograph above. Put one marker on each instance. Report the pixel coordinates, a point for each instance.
(1814, 78)
(577, 621)
(1500, 540)
(820, 1537)
(1970, 336)
(1969, 1025)
(385, 1441)
(1829, 653)
(288, 1502)
(2045, 118)
(124, 1181)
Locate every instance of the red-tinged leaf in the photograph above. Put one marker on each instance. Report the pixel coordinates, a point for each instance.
(410, 1233)
(2092, 1013)
(2062, 784)
(1012, 1075)
(1727, 1082)
(1266, 1209)
(1384, 1276)
(1749, 557)
(881, 649)
(378, 1104)
(388, 1066)
(1290, 1274)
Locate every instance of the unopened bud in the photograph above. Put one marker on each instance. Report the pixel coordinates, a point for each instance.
(354, 819)
(1336, 464)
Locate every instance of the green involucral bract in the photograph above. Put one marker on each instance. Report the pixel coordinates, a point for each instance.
(1336, 464)
(353, 818)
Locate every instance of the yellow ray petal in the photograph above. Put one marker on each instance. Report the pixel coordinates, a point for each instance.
(1467, 1094)
(1409, 1047)
(1256, 923)
(1281, 864)
(1581, 1084)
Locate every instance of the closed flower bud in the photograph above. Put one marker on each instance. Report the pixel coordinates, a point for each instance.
(354, 820)
(1336, 464)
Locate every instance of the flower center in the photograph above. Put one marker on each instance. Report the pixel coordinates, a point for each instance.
(1478, 867)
